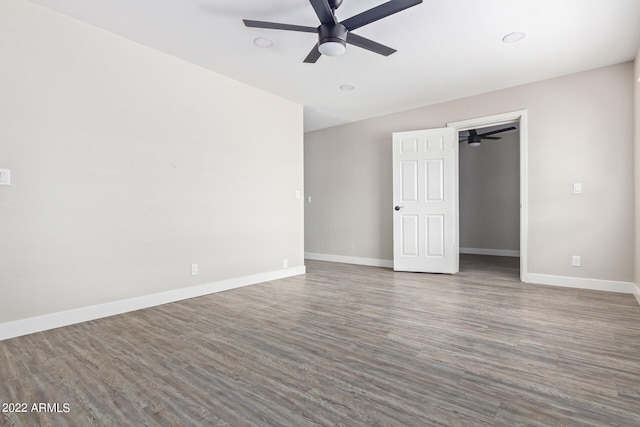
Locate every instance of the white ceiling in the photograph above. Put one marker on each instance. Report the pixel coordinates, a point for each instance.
(447, 49)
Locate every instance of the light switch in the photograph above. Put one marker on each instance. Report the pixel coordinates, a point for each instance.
(5, 177)
(577, 188)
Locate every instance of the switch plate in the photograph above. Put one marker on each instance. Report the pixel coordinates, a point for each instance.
(5, 177)
(577, 188)
(575, 261)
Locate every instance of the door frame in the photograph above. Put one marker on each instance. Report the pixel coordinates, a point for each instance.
(499, 119)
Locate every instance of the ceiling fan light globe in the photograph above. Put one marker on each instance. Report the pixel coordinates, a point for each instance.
(332, 48)
(474, 143)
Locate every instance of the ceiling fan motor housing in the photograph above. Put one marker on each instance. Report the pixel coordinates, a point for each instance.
(336, 33)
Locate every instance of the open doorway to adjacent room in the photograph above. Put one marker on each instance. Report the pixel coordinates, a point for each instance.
(492, 193)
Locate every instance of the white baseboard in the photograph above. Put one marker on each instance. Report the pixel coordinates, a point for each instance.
(494, 252)
(78, 315)
(350, 260)
(636, 292)
(581, 283)
(387, 263)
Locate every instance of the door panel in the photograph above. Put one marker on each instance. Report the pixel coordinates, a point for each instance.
(424, 193)
(410, 181)
(435, 180)
(435, 236)
(410, 233)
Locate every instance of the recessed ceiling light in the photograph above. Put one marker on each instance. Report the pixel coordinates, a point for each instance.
(263, 42)
(347, 87)
(514, 37)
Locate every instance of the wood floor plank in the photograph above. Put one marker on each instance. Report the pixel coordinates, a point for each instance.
(344, 345)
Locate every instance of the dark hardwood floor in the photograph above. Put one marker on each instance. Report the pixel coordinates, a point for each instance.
(343, 345)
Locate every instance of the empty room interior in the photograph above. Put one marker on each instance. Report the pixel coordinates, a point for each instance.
(320, 213)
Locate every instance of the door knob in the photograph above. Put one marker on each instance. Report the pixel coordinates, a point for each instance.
(398, 208)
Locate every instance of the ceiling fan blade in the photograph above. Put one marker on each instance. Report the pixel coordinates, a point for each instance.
(378, 12)
(497, 131)
(488, 137)
(313, 55)
(277, 26)
(324, 12)
(365, 43)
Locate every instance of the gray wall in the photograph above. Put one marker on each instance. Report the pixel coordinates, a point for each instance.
(490, 194)
(580, 130)
(636, 79)
(129, 165)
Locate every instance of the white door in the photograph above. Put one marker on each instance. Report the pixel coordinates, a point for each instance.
(425, 192)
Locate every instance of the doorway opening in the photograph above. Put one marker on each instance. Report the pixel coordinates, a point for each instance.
(492, 177)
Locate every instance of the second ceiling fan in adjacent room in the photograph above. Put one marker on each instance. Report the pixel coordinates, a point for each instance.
(474, 138)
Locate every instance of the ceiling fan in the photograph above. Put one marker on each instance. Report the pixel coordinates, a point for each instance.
(475, 138)
(333, 35)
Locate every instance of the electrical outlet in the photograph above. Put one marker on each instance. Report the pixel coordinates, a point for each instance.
(285, 263)
(194, 269)
(575, 260)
